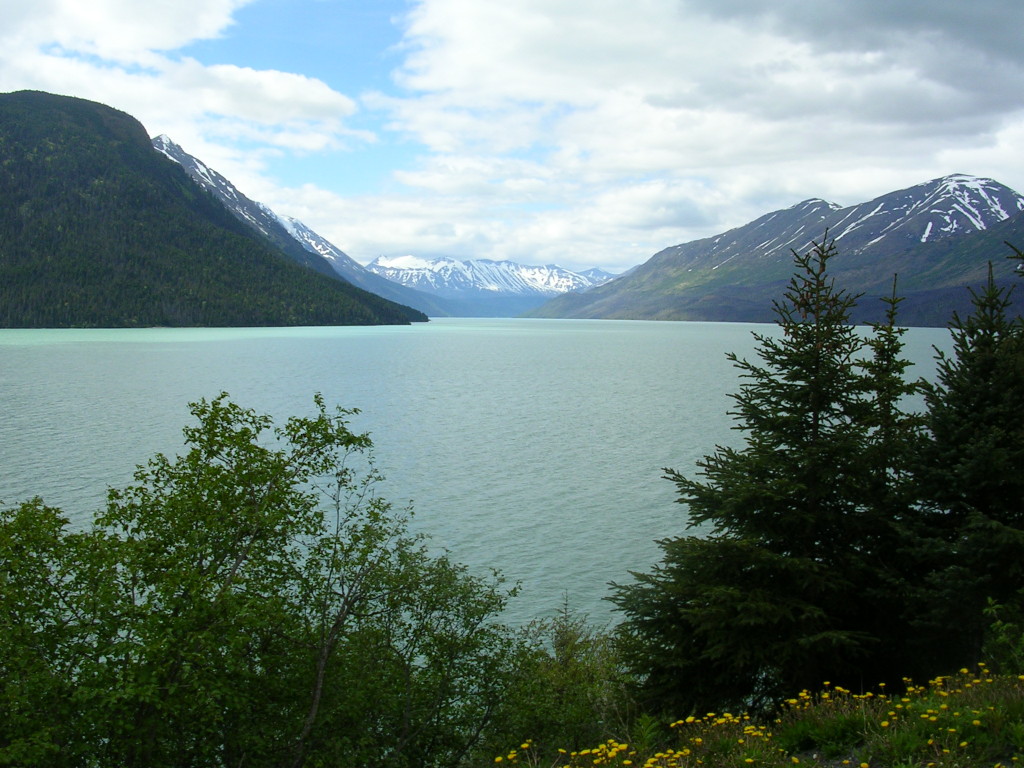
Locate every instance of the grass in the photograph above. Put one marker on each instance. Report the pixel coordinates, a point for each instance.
(966, 720)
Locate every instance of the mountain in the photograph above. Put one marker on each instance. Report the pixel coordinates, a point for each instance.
(596, 276)
(440, 287)
(938, 237)
(254, 214)
(483, 287)
(98, 229)
(294, 238)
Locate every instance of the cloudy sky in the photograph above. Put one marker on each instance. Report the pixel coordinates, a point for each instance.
(576, 132)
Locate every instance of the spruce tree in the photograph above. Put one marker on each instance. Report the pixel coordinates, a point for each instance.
(792, 579)
(970, 470)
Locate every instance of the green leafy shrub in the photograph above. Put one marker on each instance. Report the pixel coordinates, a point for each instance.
(251, 602)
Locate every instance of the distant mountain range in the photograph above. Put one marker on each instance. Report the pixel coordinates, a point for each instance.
(483, 287)
(938, 237)
(438, 287)
(98, 229)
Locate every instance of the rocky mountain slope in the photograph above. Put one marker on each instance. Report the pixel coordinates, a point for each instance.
(938, 237)
(294, 238)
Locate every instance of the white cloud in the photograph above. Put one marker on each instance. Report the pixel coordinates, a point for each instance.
(123, 53)
(665, 119)
(654, 74)
(578, 132)
(262, 96)
(124, 31)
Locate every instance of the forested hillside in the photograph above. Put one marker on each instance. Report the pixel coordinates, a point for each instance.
(99, 229)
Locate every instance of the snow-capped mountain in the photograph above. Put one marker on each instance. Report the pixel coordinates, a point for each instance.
(597, 275)
(483, 286)
(450, 277)
(293, 237)
(953, 205)
(938, 237)
(442, 287)
(316, 243)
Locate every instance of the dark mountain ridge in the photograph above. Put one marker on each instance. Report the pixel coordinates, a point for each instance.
(294, 238)
(247, 211)
(99, 229)
(938, 237)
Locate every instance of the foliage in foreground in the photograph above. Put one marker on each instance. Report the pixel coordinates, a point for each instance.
(966, 720)
(570, 687)
(252, 602)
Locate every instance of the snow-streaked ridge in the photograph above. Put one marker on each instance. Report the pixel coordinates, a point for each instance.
(954, 204)
(453, 277)
(316, 243)
(260, 216)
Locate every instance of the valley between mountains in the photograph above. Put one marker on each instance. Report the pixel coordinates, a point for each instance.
(101, 228)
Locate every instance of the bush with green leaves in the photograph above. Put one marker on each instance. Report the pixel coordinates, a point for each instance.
(252, 602)
(571, 689)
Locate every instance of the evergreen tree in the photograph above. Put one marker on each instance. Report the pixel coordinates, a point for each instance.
(970, 470)
(794, 578)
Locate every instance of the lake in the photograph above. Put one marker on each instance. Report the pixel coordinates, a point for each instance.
(532, 446)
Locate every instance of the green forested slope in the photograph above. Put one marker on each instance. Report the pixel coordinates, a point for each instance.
(99, 229)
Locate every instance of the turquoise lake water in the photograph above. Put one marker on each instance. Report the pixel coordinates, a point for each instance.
(532, 446)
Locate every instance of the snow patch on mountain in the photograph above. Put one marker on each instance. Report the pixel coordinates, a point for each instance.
(952, 205)
(312, 241)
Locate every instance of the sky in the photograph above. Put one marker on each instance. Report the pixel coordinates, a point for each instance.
(581, 133)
